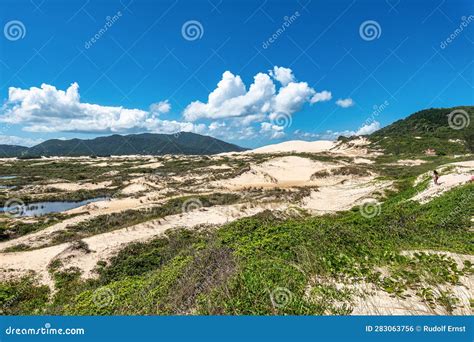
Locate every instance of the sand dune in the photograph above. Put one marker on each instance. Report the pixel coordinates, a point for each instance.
(286, 171)
(79, 186)
(298, 146)
(456, 174)
(342, 196)
(103, 246)
(356, 147)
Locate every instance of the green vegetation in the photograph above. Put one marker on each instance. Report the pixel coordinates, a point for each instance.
(429, 129)
(144, 144)
(271, 263)
(266, 265)
(23, 297)
(13, 229)
(105, 223)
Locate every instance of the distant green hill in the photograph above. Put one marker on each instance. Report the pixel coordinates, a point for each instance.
(429, 129)
(8, 151)
(141, 144)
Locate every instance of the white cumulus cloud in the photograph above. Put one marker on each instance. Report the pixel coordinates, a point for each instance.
(47, 109)
(20, 141)
(264, 98)
(282, 75)
(271, 130)
(345, 103)
(368, 128)
(321, 97)
(333, 135)
(231, 99)
(161, 107)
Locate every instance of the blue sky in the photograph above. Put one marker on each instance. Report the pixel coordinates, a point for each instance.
(337, 67)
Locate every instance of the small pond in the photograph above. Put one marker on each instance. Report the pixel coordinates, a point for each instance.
(8, 177)
(43, 208)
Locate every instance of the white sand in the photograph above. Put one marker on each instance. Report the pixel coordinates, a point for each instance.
(148, 166)
(78, 186)
(218, 167)
(352, 148)
(378, 302)
(86, 212)
(281, 171)
(135, 188)
(446, 183)
(103, 246)
(106, 164)
(342, 196)
(298, 146)
(363, 161)
(457, 174)
(410, 162)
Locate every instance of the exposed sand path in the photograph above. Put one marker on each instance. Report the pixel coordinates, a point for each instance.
(103, 246)
(78, 186)
(461, 174)
(89, 211)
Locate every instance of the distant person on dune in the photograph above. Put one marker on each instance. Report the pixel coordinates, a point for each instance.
(435, 177)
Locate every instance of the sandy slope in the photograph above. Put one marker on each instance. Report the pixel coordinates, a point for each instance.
(299, 146)
(103, 246)
(342, 196)
(378, 302)
(148, 166)
(79, 186)
(88, 211)
(458, 174)
(287, 171)
(354, 148)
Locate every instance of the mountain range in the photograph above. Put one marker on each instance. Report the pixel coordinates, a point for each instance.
(141, 144)
(444, 130)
